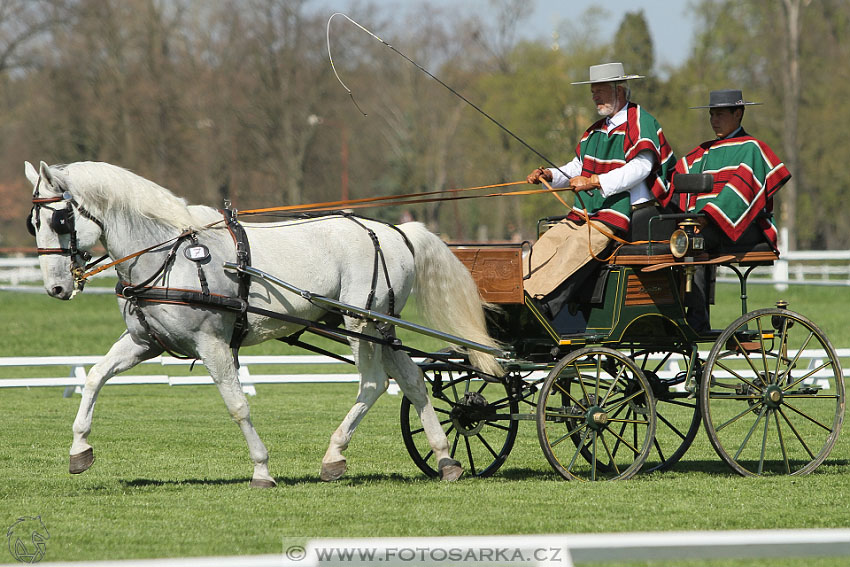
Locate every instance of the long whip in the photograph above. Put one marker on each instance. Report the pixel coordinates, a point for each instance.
(424, 70)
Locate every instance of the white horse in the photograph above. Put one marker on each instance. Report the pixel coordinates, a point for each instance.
(333, 256)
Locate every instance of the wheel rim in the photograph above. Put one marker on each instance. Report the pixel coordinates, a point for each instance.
(596, 416)
(477, 419)
(766, 408)
(676, 403)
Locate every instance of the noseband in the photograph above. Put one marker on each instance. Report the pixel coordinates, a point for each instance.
(62, 221)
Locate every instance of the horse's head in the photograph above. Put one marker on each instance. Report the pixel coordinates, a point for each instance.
(64, 230)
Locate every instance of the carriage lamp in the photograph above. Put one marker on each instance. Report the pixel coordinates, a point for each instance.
(685, 241)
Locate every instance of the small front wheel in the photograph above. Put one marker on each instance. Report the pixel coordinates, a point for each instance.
(477, 416)
(596, 416)
(772, 394)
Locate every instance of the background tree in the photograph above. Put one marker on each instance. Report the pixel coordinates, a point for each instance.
(236, 99)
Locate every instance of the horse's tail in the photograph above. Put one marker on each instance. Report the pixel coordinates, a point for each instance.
(447, 295)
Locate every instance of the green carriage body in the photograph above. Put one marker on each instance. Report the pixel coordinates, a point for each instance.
(617, 383)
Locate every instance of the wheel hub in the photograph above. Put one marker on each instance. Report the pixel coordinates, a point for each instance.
(773, 396)
(467, 414)
(596, 418)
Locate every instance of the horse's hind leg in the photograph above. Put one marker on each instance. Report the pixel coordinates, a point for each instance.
(219, 363)
(373, 383)
(409, 378)
(123, 355)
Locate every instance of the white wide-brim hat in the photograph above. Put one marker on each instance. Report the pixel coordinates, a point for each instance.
(608, 73)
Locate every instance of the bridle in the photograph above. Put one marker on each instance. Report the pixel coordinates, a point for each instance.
(63, 221)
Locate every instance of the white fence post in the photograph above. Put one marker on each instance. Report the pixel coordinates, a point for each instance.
(780, 269)
(78, 371)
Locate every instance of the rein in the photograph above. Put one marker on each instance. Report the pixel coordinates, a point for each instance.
(407, 199)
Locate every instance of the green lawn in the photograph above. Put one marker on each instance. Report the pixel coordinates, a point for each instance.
(171, 471)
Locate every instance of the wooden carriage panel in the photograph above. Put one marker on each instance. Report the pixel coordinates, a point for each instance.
(496, 271)
(648, 288)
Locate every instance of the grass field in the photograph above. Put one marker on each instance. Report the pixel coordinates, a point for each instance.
(171, 475)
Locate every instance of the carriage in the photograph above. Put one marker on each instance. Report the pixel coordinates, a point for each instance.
(616, 383)
(620, 382)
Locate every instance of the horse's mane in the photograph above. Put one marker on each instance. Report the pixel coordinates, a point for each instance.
(106, 187)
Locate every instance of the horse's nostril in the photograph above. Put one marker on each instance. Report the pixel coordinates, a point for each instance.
(57, 291)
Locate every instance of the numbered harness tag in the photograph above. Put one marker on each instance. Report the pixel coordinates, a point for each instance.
(197, 253)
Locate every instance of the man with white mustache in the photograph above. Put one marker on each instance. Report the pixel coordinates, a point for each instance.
(622, 164)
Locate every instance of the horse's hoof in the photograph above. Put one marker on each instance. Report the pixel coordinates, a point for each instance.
(333, 471)
(81, 461)
(262, 483)
(450, 469)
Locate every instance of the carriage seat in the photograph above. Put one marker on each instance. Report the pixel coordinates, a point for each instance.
(752, 251)
(652, 227)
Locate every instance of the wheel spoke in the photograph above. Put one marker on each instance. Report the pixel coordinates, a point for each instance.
(782, 443)
(764, 443)
(808, 375)
(739, 416)
(486, 444)
(750, 433)
(746, 356)
(810, 418)
(793, 363)
(761, 347)
(738, 376)
(495, 425)
(612, 461)
(626, 443)
(666, 422)
(568, 434)
(570, 396)
(469, 455)
(579, 447)
(797, 434)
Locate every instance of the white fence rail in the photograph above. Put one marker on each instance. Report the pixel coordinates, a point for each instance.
(817, 267)
(74, 380)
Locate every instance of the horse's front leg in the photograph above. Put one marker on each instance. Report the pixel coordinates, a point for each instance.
(123, 355)
(219, 362)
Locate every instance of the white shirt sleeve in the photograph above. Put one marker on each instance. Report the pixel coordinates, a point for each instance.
(628, 176)
(570, 170)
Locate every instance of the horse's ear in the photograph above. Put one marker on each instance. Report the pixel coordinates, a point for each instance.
(46, 174)
(31, 173)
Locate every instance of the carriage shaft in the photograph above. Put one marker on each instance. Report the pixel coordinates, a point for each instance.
(366, 313)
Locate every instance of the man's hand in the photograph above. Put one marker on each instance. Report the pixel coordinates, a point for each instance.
(582, 183)
(538, 174)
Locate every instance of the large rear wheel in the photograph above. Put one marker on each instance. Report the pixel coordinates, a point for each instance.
(772, 394)
(671, 373)
(596, 416)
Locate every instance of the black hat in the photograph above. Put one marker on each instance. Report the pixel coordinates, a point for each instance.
(726, 98)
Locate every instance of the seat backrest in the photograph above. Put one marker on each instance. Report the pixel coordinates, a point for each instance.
(642, 224)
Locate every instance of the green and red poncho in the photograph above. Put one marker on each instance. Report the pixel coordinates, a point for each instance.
(600, 152)
(746, 176)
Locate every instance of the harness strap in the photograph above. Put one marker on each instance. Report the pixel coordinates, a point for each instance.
(380, 261)
(243, 259)
(202, 278)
